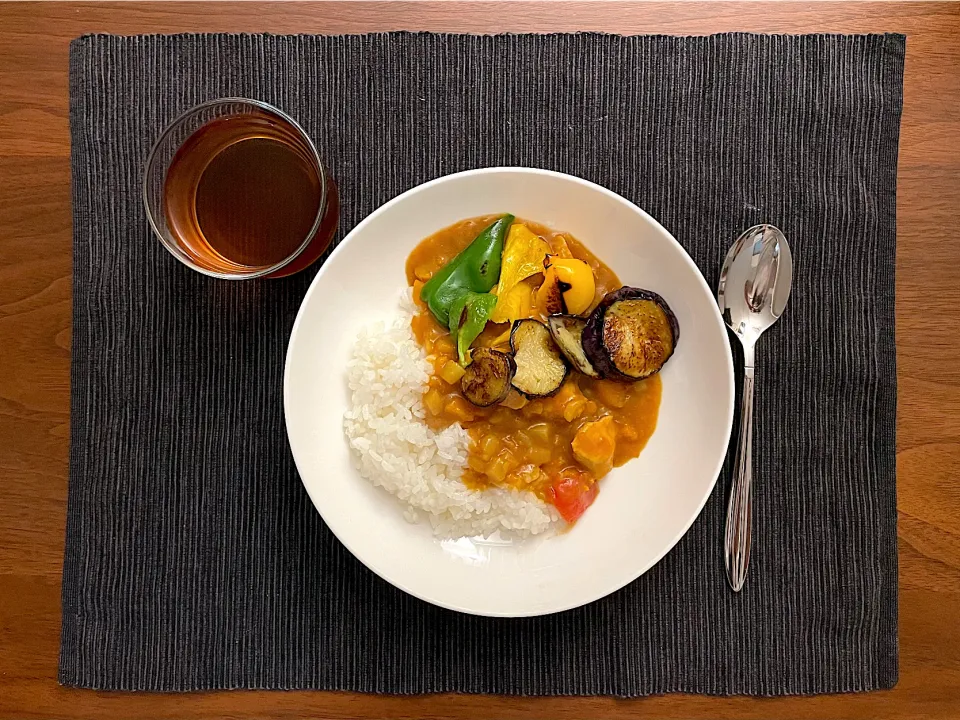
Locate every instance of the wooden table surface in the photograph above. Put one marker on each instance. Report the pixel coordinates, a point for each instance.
(35, 266)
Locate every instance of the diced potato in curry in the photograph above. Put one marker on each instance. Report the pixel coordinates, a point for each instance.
(595, 443)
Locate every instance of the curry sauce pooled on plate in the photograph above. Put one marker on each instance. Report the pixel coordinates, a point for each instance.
(540, 354)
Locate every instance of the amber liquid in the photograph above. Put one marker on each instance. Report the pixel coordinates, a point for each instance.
(243, 194)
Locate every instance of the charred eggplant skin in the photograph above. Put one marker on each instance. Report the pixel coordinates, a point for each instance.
(487, 379)
(593, 333)
(553, 361)
(567, 332)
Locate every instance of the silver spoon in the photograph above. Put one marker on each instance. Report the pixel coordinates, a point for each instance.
(753, 291)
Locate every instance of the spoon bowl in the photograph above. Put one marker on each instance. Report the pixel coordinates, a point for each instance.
(755, 282)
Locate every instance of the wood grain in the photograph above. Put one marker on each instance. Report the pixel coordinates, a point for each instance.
(35, 265)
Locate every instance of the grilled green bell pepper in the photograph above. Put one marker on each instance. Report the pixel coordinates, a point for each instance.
(468, 316)
(458, 294)
(475, 269)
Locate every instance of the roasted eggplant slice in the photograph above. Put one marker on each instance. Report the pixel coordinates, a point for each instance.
(566, 331)
(630, 335)
(541, 367)
(486, 380)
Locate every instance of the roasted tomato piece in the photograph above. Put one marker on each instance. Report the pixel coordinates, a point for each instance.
(572, 493)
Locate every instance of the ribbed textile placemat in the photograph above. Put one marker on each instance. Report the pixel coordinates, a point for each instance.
(194, 558)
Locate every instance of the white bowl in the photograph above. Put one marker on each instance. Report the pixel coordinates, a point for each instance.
(643, 508)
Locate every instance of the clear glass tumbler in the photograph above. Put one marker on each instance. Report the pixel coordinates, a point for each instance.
(235, 189)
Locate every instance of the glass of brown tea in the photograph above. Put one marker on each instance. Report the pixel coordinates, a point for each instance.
(235, 189)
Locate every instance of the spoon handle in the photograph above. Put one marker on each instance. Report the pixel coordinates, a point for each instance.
(736, 545)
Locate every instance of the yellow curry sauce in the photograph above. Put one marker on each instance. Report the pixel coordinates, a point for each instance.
(587, 427)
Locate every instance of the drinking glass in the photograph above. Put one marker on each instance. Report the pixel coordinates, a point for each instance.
(235, 189)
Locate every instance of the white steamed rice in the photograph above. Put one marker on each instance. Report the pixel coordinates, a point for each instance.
(394, 448)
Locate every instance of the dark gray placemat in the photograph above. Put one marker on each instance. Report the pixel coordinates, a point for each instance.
(194, 558)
